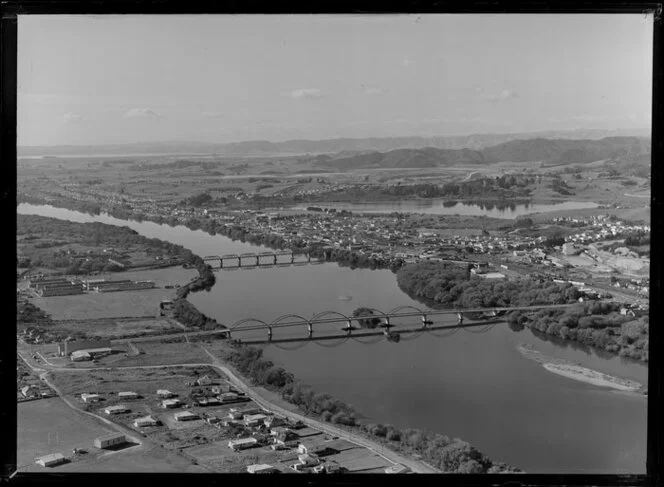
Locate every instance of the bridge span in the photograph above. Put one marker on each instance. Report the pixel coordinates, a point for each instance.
(262, 259)
(375, 319)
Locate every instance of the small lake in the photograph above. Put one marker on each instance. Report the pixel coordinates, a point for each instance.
(437, 206)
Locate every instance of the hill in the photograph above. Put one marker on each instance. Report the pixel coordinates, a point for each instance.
(553, 152)
(292, 147)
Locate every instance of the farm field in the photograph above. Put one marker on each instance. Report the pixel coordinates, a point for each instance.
(50, 426)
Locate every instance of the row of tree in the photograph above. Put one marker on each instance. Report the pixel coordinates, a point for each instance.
(449, 455)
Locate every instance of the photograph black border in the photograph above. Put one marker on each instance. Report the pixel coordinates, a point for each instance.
(11, 9)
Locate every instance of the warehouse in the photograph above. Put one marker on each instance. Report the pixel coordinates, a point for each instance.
(67, 348)
(170, 403)
(110, 440)
(51, 460)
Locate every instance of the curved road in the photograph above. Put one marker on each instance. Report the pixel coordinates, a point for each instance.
(389, 455)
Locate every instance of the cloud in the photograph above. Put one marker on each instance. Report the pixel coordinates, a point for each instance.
(212, 115)
(305, 93)
(497, 97)
(373, 91)
(141, 113)
(405, 62)
(73, 117)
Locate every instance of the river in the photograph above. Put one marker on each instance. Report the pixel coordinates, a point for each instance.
(475, 386)
(435, 206)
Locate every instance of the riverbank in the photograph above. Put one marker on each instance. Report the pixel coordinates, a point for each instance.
(579, 373)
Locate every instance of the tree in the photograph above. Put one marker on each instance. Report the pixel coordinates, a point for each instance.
(366, 322)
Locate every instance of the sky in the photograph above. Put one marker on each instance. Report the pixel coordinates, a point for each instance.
(90, 80)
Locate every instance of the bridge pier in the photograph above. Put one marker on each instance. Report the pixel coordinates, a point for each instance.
(350, 327)
(426, 321)
(311, 330)
(308, 257)
(292, 258)
(460, 318)
(275, 259)
(269, 333)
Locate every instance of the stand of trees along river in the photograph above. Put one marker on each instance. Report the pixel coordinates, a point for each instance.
(597, 324)
(447, 454)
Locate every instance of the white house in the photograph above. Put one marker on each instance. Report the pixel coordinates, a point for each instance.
(89, 398)
(261, 468)
(165, 394)
(51, 460)
(242, 443)
(170, 403)
(145, 421)
(186, 416)
(119, 409)
(127, 395)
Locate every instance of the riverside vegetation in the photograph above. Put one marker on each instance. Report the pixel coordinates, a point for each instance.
(447, 454)
(597, 324)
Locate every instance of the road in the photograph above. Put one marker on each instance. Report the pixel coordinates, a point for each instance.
(378, 449)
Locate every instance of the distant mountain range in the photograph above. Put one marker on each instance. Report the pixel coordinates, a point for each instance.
(474, 142)
(549, 151)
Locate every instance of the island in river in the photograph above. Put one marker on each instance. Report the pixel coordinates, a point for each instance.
(576, 372)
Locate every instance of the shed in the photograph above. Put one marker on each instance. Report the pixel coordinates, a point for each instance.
(110, 440)
(170, 403)
(397, 468)
(127, 395)
(242, 443)
(165, 394)
(185, 416)
(90, 397)
(119, 409)
(146, 421)
(51, 460)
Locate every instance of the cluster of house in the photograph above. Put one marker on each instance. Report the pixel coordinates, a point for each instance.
(603, 229)
(639, 285)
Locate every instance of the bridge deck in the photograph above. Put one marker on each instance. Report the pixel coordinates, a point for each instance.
(371, 333)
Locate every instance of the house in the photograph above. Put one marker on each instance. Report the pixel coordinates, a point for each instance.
(254, 419)
(90, 398)
(171, 403)
(146, 421)
(165, 394)
(127, 395)
(228, 397)
(242, 443)
(287, 438)
(204, 381)
(110, 440)
(315, 446)
(308, 460)
(236, 413)
(261, 468)
(397, 468)
(30, 391)
(185, 416)
(119, 409)
(274, 421)
(51, 460)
